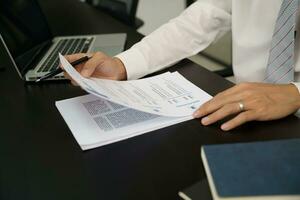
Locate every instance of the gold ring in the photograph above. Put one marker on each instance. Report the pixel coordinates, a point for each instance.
(241, 106)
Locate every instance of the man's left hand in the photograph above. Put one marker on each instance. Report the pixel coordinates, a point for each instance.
(250, 102)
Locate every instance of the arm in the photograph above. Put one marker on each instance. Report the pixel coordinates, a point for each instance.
(298, 87)
(194, 30)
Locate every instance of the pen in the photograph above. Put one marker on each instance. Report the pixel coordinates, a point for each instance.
(59, 70)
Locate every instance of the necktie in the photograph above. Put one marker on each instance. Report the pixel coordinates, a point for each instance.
(280, 68)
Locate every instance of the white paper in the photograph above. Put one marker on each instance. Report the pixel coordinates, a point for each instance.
(95, 122)
(168, 94)
(117, 110)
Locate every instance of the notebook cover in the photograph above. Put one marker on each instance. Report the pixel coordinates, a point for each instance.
(255, 169)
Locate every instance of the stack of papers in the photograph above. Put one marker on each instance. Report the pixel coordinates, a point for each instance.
(117, 110)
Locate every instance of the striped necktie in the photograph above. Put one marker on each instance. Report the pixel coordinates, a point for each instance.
(280, 68)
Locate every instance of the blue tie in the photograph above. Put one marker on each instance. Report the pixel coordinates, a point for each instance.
(280, 68)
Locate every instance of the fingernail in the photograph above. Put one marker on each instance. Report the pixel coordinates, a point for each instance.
(196, 114)
(225, 127)
(205, 121)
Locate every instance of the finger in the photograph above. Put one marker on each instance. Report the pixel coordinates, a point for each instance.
(79, 68)
(227, 110)
(91, 65)
(235, 94)
(239, 120)
(74, 57)
(216, 103)
(67, 76)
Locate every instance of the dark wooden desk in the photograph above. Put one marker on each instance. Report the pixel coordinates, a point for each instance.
(40, 159)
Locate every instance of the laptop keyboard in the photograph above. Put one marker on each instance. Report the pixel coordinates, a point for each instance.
(65, 47)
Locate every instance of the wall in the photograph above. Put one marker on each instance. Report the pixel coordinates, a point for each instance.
(157, 12)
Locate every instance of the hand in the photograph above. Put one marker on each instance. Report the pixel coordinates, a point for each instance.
(99, 66)
(261, 102)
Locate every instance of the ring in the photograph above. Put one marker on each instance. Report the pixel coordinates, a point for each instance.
(241, 106)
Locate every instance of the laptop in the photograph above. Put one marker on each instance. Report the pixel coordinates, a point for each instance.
(30, 47)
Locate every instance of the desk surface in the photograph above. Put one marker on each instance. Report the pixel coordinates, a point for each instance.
(40, 159)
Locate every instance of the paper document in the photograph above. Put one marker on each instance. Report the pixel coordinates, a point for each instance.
(169, 94)
(117, 110)
(96, 122)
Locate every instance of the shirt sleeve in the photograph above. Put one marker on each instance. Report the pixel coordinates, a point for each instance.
(298, 86)
(195, 29)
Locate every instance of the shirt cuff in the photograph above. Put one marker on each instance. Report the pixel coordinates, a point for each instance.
(298, 86)
(134, 62)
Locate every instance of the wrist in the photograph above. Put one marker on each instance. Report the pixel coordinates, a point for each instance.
(122, 73)
(296, 94)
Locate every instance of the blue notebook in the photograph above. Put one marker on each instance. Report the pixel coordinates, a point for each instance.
(260, 170)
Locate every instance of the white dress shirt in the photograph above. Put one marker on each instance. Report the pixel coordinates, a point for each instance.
(252, 23)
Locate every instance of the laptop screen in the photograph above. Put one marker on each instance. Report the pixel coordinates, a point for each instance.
(22, 25)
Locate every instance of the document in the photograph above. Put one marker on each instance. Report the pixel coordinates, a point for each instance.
(117, 110)
(95, 122)
(168, 94)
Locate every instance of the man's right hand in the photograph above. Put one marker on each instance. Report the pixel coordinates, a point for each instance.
(99, 66)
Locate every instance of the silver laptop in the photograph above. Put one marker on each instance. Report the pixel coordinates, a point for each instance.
(30, 46)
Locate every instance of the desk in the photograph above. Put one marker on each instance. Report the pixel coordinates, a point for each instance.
(40, 159)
